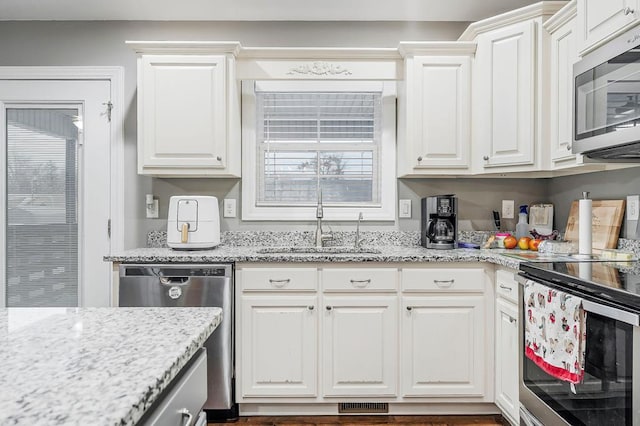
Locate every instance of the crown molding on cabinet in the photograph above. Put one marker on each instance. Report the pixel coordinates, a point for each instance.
(568, 12)
(411, 48)
(185, 47)
(543, 8)
(318, 53)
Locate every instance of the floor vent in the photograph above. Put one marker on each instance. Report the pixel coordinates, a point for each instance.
(363, 407)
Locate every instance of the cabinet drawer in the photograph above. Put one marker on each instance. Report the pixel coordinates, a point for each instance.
(506, 286)
(260, 279)
(186, 396)
(441, 279)
(356, 279)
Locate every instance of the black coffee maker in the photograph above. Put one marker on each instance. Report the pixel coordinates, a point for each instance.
(439, 222)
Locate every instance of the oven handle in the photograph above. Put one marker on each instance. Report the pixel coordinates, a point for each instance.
(613, 313)
(596, 308)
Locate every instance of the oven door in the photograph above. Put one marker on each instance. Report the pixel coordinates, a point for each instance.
(609, 393)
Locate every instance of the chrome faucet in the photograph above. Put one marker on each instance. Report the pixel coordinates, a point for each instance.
(321, 236)
(358, 241)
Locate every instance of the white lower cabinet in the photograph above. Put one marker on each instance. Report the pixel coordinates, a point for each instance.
(309, 336)
(443, 345)
(279, 345)
(360, 342)
(506, 377)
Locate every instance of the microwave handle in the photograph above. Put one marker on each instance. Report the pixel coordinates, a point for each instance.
(613, 313)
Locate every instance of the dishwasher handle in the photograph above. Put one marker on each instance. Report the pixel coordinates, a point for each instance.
(173, 281)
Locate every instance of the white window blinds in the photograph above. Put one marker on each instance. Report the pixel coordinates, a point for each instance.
(311, 140)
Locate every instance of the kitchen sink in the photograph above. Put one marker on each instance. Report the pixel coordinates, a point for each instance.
(318, 250)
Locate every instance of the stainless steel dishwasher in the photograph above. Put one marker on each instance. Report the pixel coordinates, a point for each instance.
(189, 286)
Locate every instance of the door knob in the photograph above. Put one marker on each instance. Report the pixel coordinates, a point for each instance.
(485, 158)
(420, 158)
(628, 11)
(568, 147)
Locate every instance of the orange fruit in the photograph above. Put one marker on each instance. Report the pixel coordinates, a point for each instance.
(533, 244)
(523, 243)
(510, 242)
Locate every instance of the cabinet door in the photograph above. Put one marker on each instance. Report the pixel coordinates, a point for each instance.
(563, 55)
(278, 353)
(360, 345)
(443, 346)
(504, 101)
(507, 359)
(598, 19)
(182, 108)
(439, 128)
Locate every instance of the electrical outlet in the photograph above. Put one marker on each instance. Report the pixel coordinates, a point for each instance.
(405, 208)
(229, 209)
(633, 203)
(508, 207)
(152, 209)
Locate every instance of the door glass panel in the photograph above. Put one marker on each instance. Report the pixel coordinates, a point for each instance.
(42, 208)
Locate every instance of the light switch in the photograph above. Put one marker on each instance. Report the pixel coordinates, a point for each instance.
(405, 208)
(229, 207)
(633, 203)
(508, 207)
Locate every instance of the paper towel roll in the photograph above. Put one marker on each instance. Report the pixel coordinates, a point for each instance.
(584, 225)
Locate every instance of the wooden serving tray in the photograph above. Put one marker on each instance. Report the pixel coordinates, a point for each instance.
(605, 226)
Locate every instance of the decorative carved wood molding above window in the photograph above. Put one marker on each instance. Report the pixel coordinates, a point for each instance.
(320, 69)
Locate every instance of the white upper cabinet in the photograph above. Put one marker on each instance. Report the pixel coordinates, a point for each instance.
(506, 94)
(510, 91)
(435, 109)
(601, 20)
(563, 51)
(188, 110)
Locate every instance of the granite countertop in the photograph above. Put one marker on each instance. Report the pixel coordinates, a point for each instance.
(224, 253)
(97, 366)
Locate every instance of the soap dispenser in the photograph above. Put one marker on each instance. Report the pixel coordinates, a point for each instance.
(522, 227)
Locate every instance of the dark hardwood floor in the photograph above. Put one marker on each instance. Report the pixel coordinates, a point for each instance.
(367, 420)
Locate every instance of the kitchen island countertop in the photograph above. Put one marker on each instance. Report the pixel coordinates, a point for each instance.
(225, 253)
(97, 366)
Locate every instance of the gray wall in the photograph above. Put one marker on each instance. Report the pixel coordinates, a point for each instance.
(607, 185)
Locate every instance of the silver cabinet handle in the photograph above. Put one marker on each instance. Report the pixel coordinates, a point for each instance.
(420, 158)
(409, 308)
(219, 158)
(504, 287)
(485, 158)
(443, 283)
(512, 320)
(328, 308)
(568, 147)
(184, 412)
(279, 283)
(628, 11)
(311, 307)
(360, 283)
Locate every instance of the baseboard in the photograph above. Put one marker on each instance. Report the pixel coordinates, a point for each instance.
(426, 409)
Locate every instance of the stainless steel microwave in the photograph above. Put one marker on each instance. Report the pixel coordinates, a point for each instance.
(607, 100)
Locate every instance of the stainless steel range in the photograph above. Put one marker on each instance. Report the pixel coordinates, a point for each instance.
(609, 392)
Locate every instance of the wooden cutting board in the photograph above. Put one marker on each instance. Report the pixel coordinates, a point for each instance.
(605, 225)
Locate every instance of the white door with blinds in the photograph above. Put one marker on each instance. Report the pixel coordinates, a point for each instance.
(55, 192)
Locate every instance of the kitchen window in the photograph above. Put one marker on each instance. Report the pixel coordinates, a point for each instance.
(301, 138)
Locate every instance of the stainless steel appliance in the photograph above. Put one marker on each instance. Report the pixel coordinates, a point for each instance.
(188, 286)
(439, 222)
(609, 394)
(607, 100)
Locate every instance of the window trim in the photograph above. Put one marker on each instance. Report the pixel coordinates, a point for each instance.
(386, 211)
